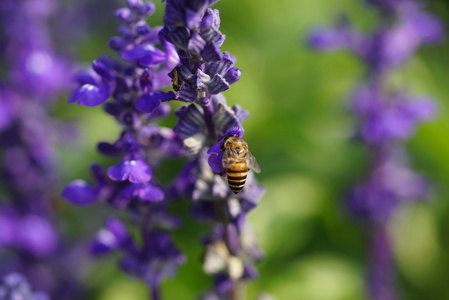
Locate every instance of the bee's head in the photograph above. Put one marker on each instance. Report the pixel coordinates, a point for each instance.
(234, 144)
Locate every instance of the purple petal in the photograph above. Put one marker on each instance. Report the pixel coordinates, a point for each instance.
(196, 43)
(202, 81)
(87, 77)
(240, 113)
(147, 54)
(90, 95)
(238, 131)
(143, 29)
(74, 95)
(215, 149)
(218, 84)
(171, 56)
(190, 120)
(186, 94)
(164, 97)
(117, 43)
(233, 75)
(151, 193)
(136, 171)
(160, 112)
(215, 163)
(111, 236)
(222, 66)
(192, 18)
(153, 58)
(109, 149)
(147, 103)
(209, 27)
(79, 192)
(123, 14)
(211, 53)
(144, 191)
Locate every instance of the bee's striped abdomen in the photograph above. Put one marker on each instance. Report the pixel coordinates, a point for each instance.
(237, 176)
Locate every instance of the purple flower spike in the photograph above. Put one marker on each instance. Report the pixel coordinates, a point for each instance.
(135, 84)
(79, 192)
(203, 73)
(387, 117)
(136, 171)
(89, 95)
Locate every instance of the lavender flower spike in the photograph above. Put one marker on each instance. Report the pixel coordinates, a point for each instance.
(133, 84)
(387, 117)
(204, 72)
(32, 230)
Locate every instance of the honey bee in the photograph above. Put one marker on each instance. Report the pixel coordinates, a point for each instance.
(237, 161)
(176, 84)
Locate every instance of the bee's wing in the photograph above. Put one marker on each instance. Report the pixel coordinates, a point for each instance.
(252, 163)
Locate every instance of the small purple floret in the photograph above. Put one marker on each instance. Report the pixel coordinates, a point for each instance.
(79, 192)
(136, 171)
(89, 95)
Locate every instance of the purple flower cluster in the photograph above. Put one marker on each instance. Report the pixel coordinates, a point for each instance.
(193, 28)
(134, 85)
(387, 116)
(15, 286)
(230, 247)
(34, 75)
(203, 73)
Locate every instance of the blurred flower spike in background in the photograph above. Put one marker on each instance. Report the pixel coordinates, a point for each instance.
(36, 73)
(387, 116)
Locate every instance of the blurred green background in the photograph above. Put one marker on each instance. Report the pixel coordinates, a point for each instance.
(300, 131)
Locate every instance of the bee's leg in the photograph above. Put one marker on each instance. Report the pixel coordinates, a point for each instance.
(223, 172)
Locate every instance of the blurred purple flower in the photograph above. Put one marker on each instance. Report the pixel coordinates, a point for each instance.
(388, 46)
(15, 286)
(35, 74)
(387, 116)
